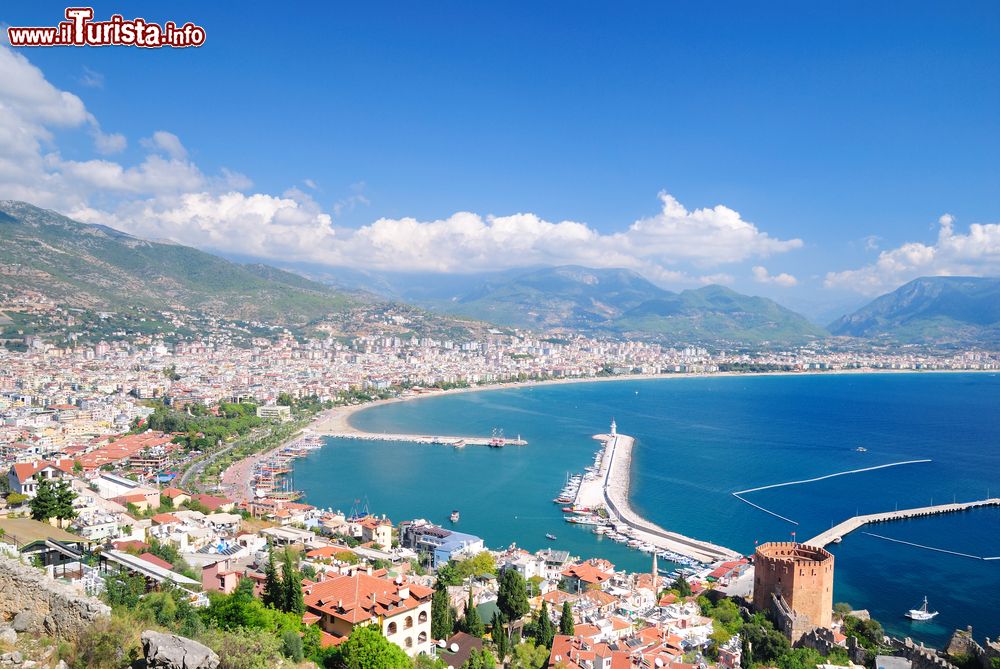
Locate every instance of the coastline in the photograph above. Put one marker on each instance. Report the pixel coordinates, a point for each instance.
(338, 419)
(616, 484)
(235, 480)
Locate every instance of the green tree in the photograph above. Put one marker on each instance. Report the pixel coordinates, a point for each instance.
(682, 587)
(472, 624)
(291, 645)
(527, 655)
(366, 648)
(425, 661)
(64, 502)
(841, 609)
(544, 630)
(124, 590)
(566, 625)
(45, 502)
(800, 658)
(499, 635)
(767, 643)
(442, 618)
(272, 595)
(512, 599)
(291, 585)
(480, 659)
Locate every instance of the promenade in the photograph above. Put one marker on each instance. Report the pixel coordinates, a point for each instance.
(611, 488)
(839, 531)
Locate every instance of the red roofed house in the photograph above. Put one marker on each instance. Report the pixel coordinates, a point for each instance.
(586, 575)
(377, 531)
(215, 504)
(176, 496)
(24, 477)
(401, 610)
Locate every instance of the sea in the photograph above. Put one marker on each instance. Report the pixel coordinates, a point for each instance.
(698, 440)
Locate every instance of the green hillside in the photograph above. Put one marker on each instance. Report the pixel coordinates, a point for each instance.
(94, 266)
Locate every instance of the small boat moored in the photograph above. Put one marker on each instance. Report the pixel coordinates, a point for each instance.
(455, 515)
(550, 537)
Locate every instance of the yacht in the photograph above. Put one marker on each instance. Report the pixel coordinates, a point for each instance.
(922, 613)
(455, 515)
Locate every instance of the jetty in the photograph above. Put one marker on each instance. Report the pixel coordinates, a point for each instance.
(839, 531)
(449, 440)
(610, 489)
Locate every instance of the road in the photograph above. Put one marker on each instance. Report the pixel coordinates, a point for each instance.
(197, 466)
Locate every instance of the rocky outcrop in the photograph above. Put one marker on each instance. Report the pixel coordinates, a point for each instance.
(169, 651)
(36, 603)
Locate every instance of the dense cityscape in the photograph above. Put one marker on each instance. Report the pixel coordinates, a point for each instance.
(125, 464)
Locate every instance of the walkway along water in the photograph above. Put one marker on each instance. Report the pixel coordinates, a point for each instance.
(837, 532)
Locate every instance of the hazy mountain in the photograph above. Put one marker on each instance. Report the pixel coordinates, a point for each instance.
(617, 301)
(95, 266)
(718, 314)
(931, 310)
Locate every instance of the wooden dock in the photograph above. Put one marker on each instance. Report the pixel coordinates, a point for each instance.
(445, 440)
(837, 532)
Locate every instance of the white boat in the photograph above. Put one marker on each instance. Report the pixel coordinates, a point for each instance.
(922, 613)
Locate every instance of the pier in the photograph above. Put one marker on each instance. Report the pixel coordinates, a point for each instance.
(448, 440)
(839, 531)
(610, 488)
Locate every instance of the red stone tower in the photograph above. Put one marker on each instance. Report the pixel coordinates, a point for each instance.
(802, 575)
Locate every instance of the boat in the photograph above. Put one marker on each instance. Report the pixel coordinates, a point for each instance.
(861, 449)
(454, 516)
(550, 537)
(922, 613)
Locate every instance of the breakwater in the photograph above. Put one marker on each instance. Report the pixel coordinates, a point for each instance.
(428, 439)
(837, 532)
(611, 486)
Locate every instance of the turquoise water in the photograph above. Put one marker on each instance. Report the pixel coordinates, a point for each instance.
(698, 440)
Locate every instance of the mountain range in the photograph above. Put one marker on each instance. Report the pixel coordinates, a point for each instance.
(955, 310)
(94, 266)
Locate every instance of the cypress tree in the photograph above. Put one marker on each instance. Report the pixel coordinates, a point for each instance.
(499, 634)
(442, 620)
(291, 585)
(566, 625)
(473, 623)
(272, 595)
(544, 631)
(513, 596)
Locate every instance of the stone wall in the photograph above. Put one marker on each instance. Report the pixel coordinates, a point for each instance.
(920, 655)
(46, 606)
(962, 643)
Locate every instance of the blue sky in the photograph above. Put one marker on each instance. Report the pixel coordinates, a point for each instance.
(853, 127)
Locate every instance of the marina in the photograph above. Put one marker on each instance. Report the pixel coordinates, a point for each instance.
(600, 498)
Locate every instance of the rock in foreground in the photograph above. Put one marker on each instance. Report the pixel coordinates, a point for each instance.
(169, 651)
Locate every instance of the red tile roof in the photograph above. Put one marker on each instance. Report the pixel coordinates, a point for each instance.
(159, 562)
(360, 597)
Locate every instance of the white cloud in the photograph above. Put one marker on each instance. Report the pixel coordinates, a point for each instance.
(166, 195)
(976, 253)
(167, 142)
(785, 280)
(91, 78)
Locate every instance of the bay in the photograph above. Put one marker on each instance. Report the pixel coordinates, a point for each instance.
(697, 441)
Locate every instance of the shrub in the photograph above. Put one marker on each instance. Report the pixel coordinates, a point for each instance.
(244, 648)
(108, 644)
(291, 645)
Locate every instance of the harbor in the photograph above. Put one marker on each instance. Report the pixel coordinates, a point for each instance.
(839, 531)
(600, 498)
(495, 440)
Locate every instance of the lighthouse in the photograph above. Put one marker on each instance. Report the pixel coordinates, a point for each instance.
(614, 428)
